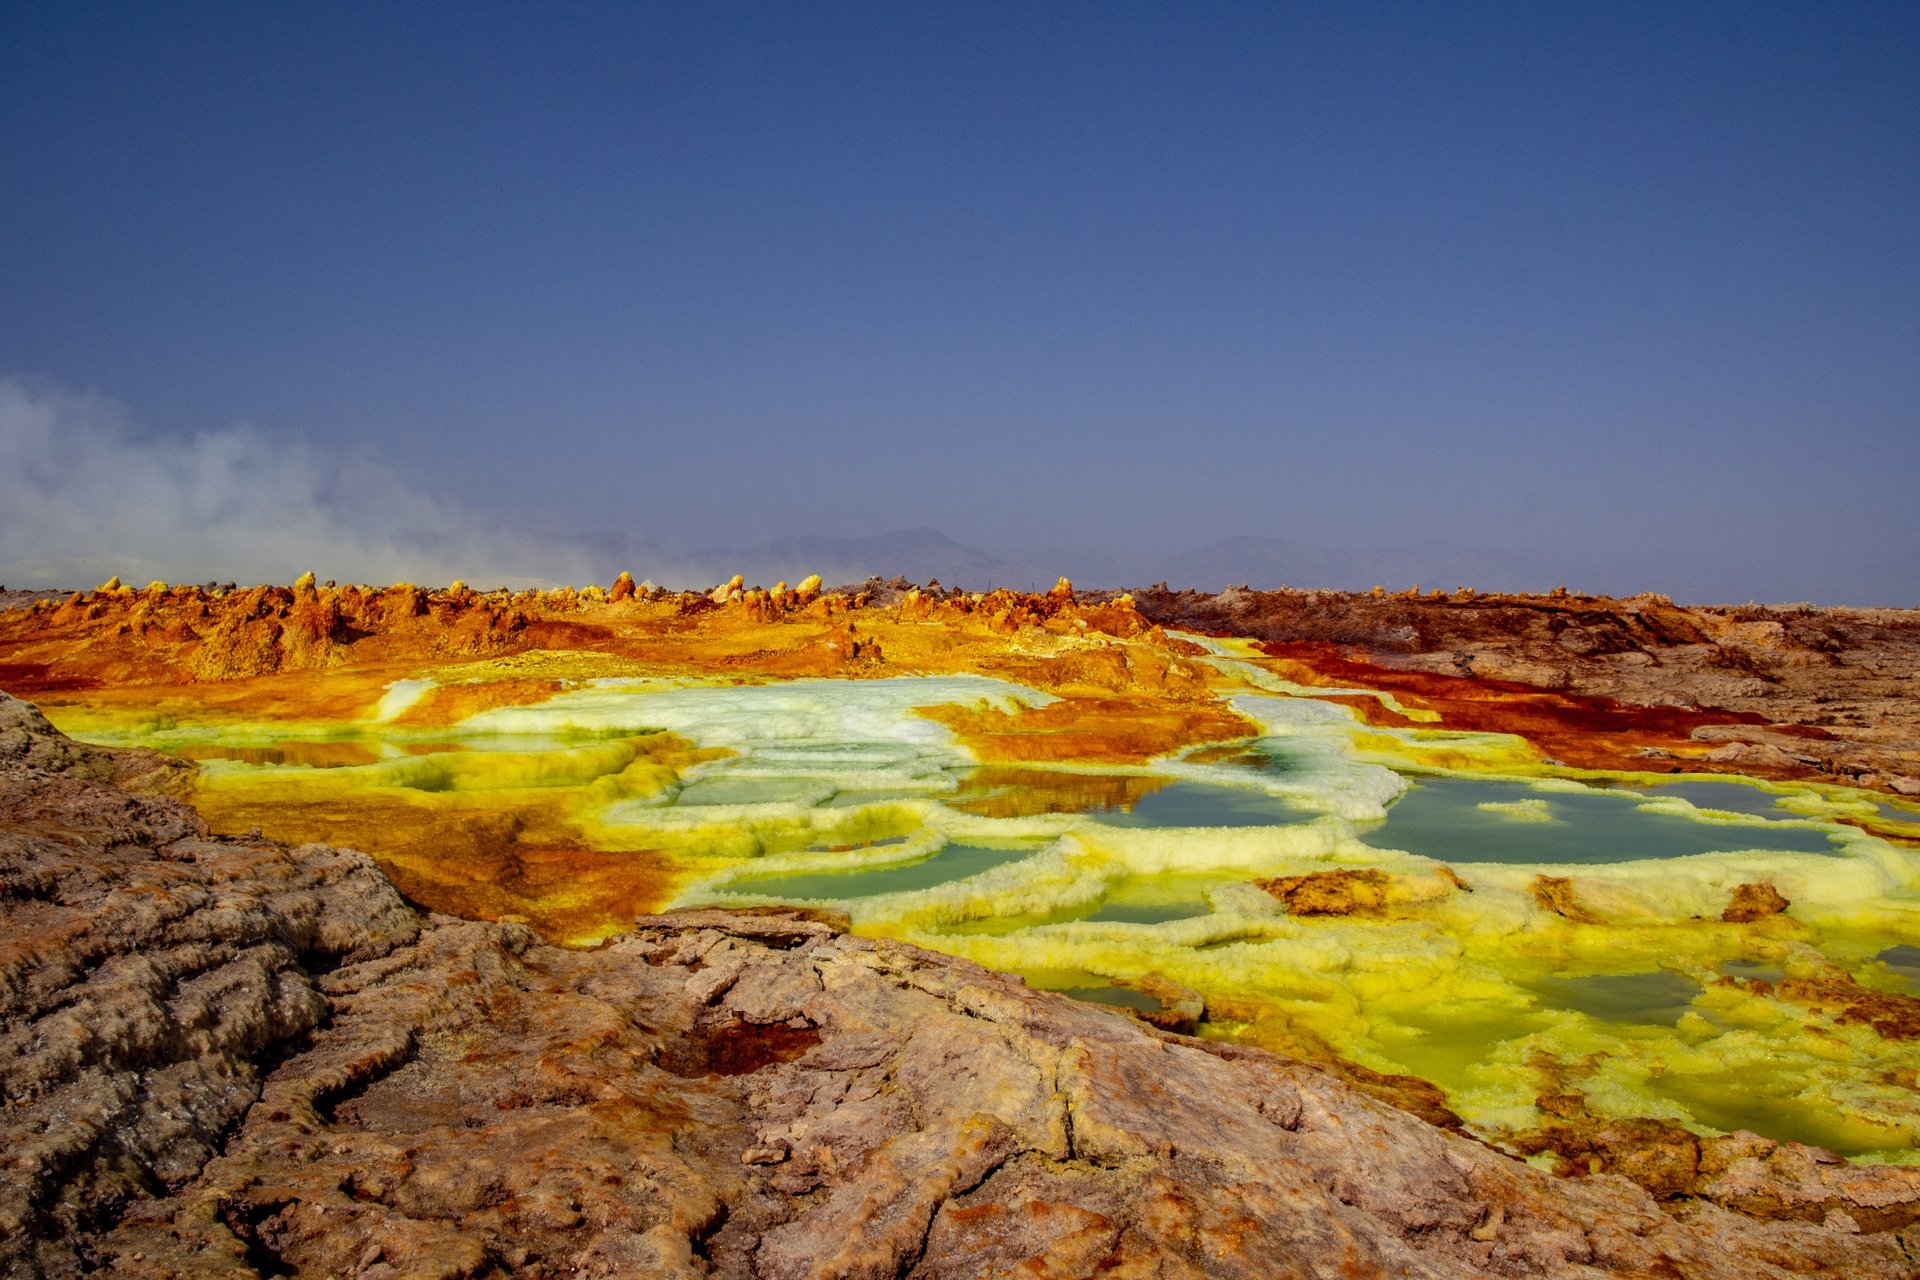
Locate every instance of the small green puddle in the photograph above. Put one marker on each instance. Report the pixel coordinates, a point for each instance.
(1449, 1043)
(1006, 791)
(1905, 963)
(1120, 913)
(1648, 999)
(1770, 1107)
(1441, 817)
(713, 791)
(999, 926)
(310, 755)
(855, 799)
(1117, 997)
(1898, 811)
(1267, 755)
(1753, 971)
(882, 843)
(952, 862)
(1202, 804)
(1093, 988)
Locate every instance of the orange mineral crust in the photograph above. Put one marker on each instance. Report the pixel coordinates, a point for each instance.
(321, 663)
(361, 638)
(1113, 729)
(1584, 731)
(450, 704)
(1015, 791)
(473, 853)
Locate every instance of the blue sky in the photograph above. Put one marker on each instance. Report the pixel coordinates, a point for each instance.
(1597, 282)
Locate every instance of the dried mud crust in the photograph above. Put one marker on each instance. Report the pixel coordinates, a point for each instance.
(227, 1058)
(1786, 691)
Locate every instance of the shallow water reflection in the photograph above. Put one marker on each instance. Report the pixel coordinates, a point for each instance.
(1000, 791)
(311, 755)
(1203, 804)
(1729, 797)
(1442, 817)
(1127, 913)
(952, 862)
(1654, 999)
(1904, 961)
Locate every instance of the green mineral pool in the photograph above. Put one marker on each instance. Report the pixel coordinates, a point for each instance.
(1468, 820)
(951, 862)
(1205, 804)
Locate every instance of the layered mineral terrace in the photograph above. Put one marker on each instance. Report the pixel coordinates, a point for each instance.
(1624, 888)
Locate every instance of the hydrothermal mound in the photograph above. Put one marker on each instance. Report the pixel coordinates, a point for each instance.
(1544, 914)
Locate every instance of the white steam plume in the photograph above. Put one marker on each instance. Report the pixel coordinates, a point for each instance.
(83, 498)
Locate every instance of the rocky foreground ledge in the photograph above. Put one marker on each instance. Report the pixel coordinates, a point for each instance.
(223, 1057)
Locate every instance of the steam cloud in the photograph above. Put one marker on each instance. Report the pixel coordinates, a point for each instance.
(83, 497)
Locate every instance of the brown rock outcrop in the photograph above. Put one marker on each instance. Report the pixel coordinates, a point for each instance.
(1365, 891)
(29, 743)
(226, 1058)
(1891, 1015)
(269, 637)
(1740, 1171)
(149, 976)
(1557, 894)
(1754, 902)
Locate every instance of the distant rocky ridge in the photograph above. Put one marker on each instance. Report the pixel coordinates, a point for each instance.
(923, 554)
(223, 1057)
(1825, 694)
(1262, 562)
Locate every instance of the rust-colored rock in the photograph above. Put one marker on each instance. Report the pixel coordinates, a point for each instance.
(1331, 893)
(450, 703)
(1741, 1171)
(1891, 1015)
(1363, 891)
(327, 652)
(1556, 894)
(1179, 1008)
(1754, 902)
(1663, 1158)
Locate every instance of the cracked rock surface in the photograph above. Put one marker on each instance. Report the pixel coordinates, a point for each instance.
(223, 1057)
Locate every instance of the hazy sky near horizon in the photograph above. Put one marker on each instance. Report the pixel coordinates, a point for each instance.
(1573, 279)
